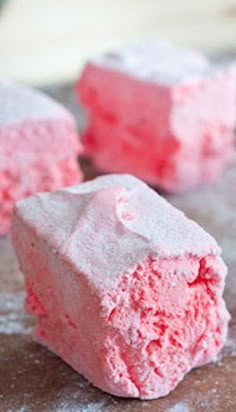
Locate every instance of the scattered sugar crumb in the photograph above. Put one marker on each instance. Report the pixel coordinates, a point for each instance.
(179, 407)
(66, 406)
(230, 347)
(12, 316)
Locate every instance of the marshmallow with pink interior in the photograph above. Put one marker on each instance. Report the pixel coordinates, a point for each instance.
(126, 289)
(39, 146)
(162, 113)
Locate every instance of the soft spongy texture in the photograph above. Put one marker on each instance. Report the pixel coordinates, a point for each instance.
(18, 184)
(127, 290)
(175, 137)
(35, 158)
(141, 338)
(164, 321)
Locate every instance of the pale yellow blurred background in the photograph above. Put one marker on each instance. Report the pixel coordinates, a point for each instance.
(48, 41)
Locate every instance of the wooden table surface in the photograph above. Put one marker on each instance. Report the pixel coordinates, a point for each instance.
(32, 379)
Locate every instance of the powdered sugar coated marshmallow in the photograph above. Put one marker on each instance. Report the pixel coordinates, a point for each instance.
(126, 288)
(162, 113)
(38, 146)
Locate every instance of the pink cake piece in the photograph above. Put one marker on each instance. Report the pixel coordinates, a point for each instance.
(38, 146)
(162, 113)
(126, 288)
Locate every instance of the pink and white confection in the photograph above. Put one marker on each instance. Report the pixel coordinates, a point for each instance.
(162, 113)
(126, 288)
(39, 146)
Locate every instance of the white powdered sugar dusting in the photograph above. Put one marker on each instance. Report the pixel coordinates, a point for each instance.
(179, 407)
(154, 62)
(20, 103)
(12, 316)
(66, 406)
(230, 347)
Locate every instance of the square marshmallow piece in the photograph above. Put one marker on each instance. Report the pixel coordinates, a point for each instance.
(39, 146)
(126, 288)
(162, 113)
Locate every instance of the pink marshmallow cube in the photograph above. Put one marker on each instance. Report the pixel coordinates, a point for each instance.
(161, 113)
(39, 146)
(126, 289)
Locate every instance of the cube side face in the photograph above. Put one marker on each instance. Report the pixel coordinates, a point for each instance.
(126, 117)
(36, 157)
(163, 320)
(189, 127)
(105, 91)
(209, 102)
(137, 339)
(65, 304)
(116, 149)
(203, 121)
